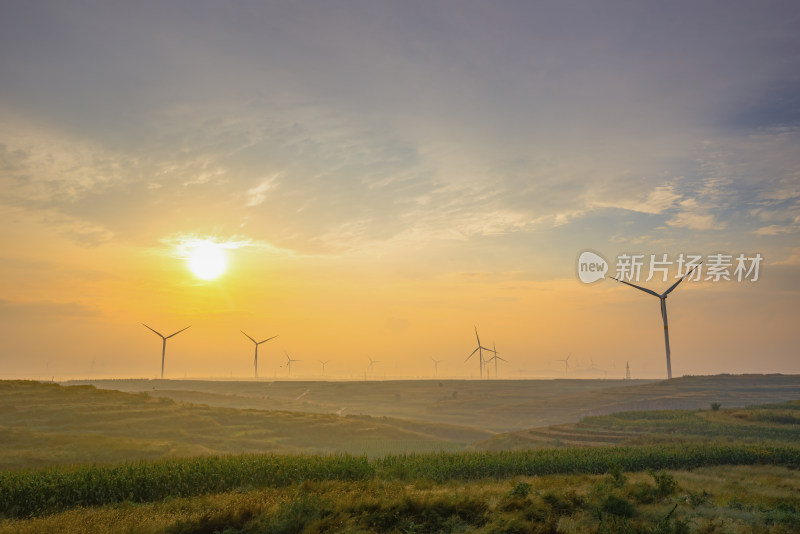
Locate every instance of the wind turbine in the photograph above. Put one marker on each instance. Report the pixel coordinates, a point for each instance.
(663, 298)
(257, 343)
(495, 358)
(289, 363)
(479, 350)
(371, 364)
(164, 344)
(436, 366)
(323, 366)
(566, 363)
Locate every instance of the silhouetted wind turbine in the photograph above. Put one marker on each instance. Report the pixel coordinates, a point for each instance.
(495, 358)
(479, 350)
(663, 298)
(257, 343)
(436, 366)
(372, 362)
(164, 344)
(323, 366)
(289, 363)
(566, 363)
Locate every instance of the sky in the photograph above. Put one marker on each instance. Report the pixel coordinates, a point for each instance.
(386, 177)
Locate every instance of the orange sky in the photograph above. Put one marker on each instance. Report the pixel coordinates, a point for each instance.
(386, 181)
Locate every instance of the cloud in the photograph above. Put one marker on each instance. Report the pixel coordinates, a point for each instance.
(43, 310)
(694, 221)
(257, 194)
(775, 229)
(656, 201)
(793, 259)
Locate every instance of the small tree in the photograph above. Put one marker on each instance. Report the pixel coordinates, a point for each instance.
(715, 406)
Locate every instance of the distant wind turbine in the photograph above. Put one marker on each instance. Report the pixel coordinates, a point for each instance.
(164, 344)
(372, 362)
(495, 358)
(479, 350)
(323, 366)
(663, 298)
(436, 366)
(257, 343)
(566, 363)
(289, 363)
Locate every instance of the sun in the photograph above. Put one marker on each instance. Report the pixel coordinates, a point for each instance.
(208, 260)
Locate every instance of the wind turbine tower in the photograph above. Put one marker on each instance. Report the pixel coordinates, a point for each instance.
(436, 367)
(479, 350)
(663, 298)
(289, 363)
(495, 358)
(370, 367)
(323, 366)
(164, 344)
(257, 343)
(566, 363)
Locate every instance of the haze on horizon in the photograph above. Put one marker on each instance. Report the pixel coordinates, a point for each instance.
(385, 176)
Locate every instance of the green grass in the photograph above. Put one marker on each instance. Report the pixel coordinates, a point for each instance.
(727, 499)
(776, 423)
(25, 493)
(49, 424)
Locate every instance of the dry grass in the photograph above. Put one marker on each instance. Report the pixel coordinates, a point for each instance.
(745, 499)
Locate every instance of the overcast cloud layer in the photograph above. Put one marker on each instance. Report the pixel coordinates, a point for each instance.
(322, 127)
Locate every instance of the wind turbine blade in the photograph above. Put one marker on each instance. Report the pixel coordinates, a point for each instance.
(640, 288)
(477, 336)
(501, 359)
(260, 342)
(248, 337)
(472, 353)
(668, 291)
(159, 333)
(488, 350)
(178, 332)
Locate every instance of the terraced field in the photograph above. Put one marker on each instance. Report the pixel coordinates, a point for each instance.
(769, 423)
(495, 405)
(48, 424)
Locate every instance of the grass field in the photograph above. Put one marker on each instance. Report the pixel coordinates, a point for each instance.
(48, 424)
(729, 499)
(768, 423)
(495, 405)
(145, 463)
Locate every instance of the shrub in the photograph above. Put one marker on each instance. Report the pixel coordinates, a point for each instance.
(522, 489)
(665, 484)
(617, 506)
(715, 406)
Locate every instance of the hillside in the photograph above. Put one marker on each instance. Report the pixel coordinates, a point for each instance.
(46, 424)
(765, 424)
(495, 405)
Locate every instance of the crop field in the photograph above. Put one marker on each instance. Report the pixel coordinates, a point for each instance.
(768, 423)
(48, 424)
(494, 405)
(753, 490)
(81, 459)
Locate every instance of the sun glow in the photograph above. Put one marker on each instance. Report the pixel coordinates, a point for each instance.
(208, 260)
